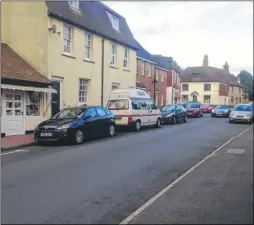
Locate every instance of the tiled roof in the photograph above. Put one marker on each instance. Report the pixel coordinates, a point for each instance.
(209, 74)
(17, 68)
(93, 17)
(161, 62)
(144, 54)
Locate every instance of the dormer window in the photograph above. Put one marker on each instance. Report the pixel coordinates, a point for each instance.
(114, 20)
(74, 4)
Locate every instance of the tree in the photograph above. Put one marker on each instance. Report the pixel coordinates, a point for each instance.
(246, 79)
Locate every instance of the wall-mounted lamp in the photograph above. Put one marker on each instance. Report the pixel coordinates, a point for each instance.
(53, 29)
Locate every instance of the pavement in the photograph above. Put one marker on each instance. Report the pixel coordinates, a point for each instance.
(16, 141)
(219, 191)
(105, 180)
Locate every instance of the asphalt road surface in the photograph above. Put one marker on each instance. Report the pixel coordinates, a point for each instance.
(103, 181)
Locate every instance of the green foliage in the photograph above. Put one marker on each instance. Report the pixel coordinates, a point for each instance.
(247, 81)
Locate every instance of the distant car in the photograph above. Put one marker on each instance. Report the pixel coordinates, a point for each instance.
(75, 124)
(207, 108)
(194, 109)
(221, 110)
(173, 113)
(241, 113)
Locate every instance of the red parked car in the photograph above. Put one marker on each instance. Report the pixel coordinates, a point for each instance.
(207, 108)
(194, 109)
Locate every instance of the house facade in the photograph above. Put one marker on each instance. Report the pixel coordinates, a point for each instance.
(204, 84)
(161, 71)
(145, 71)
(84, 48)
(212, 85)
(25, 94)
(174, 78)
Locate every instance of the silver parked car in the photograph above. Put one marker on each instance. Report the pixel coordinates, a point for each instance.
(241, 113)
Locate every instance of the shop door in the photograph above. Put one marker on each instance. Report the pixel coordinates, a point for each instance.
(14, 114)
(55, 104)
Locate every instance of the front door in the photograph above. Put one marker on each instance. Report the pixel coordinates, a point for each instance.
(55, 102)
(194, 98)
(14, 114)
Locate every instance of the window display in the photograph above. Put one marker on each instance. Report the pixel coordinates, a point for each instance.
(32, 103)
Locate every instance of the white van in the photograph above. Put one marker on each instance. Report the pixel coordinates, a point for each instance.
(133, 107)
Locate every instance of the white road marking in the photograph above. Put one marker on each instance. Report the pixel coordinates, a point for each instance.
(18, 150)
(163, 191)
(244, 131)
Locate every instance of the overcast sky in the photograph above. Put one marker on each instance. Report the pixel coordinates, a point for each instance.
(189, 30)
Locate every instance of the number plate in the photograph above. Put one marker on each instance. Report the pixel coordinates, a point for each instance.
(46, 134)
(189, 113)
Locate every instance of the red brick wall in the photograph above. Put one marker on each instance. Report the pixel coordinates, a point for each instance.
(169, 78)
(147, 81)
(162, 86)
(223, 90)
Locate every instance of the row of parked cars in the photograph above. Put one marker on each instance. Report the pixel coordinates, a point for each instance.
(126, 107)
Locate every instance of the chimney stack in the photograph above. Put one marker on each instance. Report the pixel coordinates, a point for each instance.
(226, 67)
(205, 61)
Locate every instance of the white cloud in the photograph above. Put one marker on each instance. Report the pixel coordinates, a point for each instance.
(189, 30)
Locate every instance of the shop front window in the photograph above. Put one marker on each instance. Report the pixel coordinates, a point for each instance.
(32, 103)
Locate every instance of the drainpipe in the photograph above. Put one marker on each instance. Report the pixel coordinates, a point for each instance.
(102, 71)
(172, 85)
(154, 85)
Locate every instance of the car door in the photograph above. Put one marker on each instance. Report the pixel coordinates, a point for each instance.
(102, 120)
(90, 127)
(183, 112)
(178, 112)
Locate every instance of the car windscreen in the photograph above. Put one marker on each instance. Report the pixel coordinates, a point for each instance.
(167, 108)
(221, 107)
(242, 108)
(69, 113)
(118, 104)
(206, 105)
(193, 105)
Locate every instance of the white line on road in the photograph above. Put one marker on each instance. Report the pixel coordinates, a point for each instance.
(244, 131)
(19, 150)
(153, 199)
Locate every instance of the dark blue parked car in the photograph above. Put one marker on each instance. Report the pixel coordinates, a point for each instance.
(76, 123)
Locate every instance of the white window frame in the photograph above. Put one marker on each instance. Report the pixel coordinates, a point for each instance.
(126, 58)
(162, 77)
(162, 99)
(157, 74)
(157, 98)
(88, 46)
(74, 4)
(142, 68)
(83, 87)
(149, 70)
(113, 53)
(114, 21)
(68, 39)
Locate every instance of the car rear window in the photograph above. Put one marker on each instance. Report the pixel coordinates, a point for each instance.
(222, 107)
(193, 105)
(243, 108)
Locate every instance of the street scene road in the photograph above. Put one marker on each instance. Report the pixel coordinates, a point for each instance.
(105, 180)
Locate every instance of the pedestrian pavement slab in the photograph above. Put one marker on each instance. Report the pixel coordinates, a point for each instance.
(16, 141)
(219, 191)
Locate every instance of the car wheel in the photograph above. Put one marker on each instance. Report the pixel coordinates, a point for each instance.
(185, 119)
(158, 123)
(79, 137)
(231, 121)
(137, 126)
(111, 130)
(174, 120)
